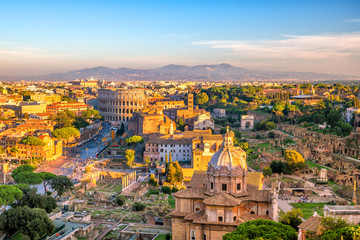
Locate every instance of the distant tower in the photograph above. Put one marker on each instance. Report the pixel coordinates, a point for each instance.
(354, 200)
(297, 89)
(312, 90)
(171, 129)
(5, 170)
(190, 103)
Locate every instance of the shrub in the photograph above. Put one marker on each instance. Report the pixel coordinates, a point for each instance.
(153, 181)
(271, 134)
(120, 200)
(138, 206)
(166, 189)
(267, 171)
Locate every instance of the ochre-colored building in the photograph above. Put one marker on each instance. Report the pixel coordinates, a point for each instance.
(223, 200)
(143, 123)
(45, 97)
(77, 107)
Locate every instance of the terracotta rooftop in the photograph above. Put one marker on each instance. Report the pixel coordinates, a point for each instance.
(311, 224)
(259, 195)
(195, 215)
(222, 199)
(191, 193)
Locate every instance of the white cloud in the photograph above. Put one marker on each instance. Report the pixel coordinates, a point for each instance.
(298, 47)
(353, 20)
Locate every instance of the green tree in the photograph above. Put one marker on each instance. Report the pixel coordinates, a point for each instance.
(61, 184)
(333, 117)
(170, 178)
(278, 110)
(32, 141)
(262, 230)
(33, 200)
(28, 178)
(23, 168)
(166, 189)
(80, 122)
(91, 114)
(147, 162)
(130, 157)
(174, 174)
(180, 124)
(244, 145)
(202, 98)
(120, 131)
(134, 139)
(9, 194)
(32, 222)
(270, 125)
(292, 218)
(65, 133)
(46, 177)
(345, 233)
(331, 224)
(65, 118)
(153, 181)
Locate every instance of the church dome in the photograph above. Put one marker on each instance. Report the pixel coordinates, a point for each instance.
(229, 156)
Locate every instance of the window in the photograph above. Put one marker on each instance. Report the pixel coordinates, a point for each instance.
(220, 218)
(211, 185)
(238, 186)
(205, 237)
(267, 213)
(252, 212)
(234, 218)
(224, 187)
(192, 235)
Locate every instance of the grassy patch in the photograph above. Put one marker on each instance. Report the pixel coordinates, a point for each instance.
(308, 209)
(312, 165)
(286, 179)
(171, 201)
(152, 192)
(161, 237)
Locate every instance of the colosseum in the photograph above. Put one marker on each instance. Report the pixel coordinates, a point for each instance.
(117, 105)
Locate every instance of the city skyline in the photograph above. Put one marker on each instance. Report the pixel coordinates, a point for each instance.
(47, 37)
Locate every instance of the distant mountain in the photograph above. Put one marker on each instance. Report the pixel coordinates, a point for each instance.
(222, 71)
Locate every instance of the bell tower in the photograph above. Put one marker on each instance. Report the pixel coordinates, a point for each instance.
(190, 103)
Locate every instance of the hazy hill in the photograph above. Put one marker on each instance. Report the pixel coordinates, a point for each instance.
(182, 72)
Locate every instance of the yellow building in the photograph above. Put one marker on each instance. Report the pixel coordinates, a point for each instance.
(45, 97)
(50, 151)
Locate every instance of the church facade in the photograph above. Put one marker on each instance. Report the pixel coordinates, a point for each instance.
(209, 209)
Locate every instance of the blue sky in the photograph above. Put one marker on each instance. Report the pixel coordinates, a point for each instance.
(39, 37)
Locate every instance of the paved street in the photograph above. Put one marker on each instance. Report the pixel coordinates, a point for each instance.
(65, 165)
(284, 205)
